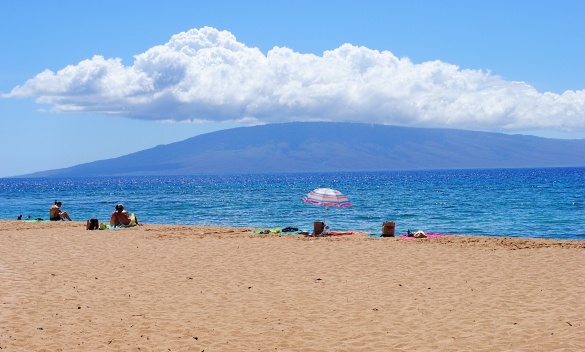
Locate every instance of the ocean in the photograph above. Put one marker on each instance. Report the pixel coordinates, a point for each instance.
(534, 203)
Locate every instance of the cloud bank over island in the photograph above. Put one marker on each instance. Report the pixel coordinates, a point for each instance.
(207, 75)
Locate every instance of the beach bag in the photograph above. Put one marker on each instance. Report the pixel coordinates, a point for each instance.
(92, 224)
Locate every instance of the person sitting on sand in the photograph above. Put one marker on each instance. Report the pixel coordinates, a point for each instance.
(120, 217)
(55, 213)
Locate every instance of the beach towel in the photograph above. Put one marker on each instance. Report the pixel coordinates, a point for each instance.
(276, 231)
(427, 235)
(267, 231)
(330, 233)
(113, 227)
(341, 233)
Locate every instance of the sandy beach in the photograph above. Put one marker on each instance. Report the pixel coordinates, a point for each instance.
(194, 288)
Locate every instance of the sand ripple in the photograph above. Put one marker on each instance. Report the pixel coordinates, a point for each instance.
(187, 288)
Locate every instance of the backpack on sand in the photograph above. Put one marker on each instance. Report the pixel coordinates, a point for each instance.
(92, 224)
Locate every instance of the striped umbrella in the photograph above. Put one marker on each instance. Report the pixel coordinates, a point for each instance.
(327, 197)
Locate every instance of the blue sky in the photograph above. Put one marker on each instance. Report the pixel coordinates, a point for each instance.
(84, 81)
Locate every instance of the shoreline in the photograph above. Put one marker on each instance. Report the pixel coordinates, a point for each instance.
(219, 230)
(184, 287)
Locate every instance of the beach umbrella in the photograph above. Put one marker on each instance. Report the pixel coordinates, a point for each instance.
(327, 197)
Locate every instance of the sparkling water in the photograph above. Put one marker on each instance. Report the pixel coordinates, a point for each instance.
(541, 203)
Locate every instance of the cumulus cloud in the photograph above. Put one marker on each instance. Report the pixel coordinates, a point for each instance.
(207, 75)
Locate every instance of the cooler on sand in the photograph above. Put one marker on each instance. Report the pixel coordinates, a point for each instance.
(388, 229)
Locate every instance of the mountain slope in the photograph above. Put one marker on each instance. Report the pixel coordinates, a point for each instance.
(322, 146)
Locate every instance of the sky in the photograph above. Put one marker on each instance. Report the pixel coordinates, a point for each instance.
(90, 80)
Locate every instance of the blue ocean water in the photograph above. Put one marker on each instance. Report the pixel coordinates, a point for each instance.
(537, 203)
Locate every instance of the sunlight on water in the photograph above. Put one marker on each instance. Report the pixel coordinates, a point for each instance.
(511, 202)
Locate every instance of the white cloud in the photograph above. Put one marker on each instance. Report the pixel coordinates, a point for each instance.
(207, 75)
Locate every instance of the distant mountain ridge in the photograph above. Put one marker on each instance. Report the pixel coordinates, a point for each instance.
(329, 146)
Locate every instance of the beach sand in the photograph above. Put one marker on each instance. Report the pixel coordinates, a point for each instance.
(194, 288)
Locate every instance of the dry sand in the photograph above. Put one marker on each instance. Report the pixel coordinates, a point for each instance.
(192, 288)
